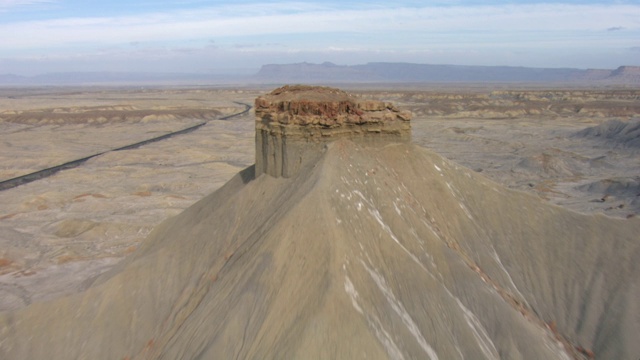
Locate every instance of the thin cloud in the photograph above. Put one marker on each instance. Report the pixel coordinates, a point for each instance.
(270, 19)
(615, 28)
(8, 4)
(333, 29)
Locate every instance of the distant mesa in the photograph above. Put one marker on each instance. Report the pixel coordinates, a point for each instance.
(627, 71)
(295, 122)
(327, 72)
(388, 72)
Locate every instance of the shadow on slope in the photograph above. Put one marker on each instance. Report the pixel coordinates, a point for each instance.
(390, 252)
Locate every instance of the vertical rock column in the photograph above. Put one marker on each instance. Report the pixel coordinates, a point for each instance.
(293, 124)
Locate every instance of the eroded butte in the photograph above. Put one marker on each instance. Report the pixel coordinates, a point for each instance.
(376, 249)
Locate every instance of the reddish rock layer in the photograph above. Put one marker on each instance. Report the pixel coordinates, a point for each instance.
(294, 122)
(328, 107)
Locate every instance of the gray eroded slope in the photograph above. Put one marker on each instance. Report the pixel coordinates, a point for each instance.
(390, 252)
(614, 132)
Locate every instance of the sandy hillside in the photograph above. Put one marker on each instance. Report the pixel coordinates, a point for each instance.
(390, 252)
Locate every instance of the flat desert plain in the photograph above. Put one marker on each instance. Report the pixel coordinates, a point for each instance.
(577, 148)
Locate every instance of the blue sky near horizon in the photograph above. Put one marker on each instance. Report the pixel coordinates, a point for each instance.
(39, 36)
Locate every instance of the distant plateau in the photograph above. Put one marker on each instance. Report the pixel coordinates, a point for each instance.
(329, 73)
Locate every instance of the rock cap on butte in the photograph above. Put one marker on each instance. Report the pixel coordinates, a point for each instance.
(323, 106)
(294, 122)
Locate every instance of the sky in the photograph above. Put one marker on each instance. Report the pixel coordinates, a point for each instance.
(223, 36)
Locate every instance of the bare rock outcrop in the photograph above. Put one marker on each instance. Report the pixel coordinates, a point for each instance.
(293, 123)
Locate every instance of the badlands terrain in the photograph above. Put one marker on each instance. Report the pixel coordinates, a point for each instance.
(572, 155)
(61, 230)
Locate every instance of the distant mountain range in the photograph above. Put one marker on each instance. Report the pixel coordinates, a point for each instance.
(329, 73)
(423, 73)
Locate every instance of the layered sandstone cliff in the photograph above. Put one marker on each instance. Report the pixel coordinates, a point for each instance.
(293, 123)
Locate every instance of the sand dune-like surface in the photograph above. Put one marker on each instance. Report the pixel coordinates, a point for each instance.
(390, 252)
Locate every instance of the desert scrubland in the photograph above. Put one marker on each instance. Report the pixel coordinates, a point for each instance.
(576, 149)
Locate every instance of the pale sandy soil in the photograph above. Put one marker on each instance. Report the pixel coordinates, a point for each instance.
(58, 233)
(526, 139)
